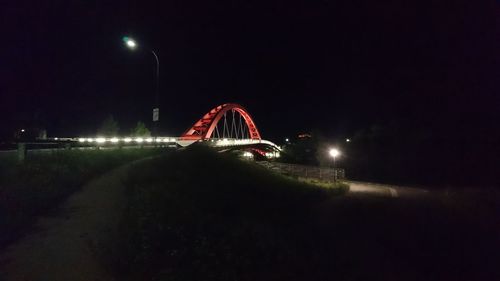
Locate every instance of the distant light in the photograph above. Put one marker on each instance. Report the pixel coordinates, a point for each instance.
(247, 154)
(157, 140)
(334, 152)
(55, 138)
(114, 140)
(149, 139)
(129, 42)
(82, 140)
(90, 139)
(100, 140)
(139, 140)
(287, 140)
(22, 130)
(347, 140)
(127, 140)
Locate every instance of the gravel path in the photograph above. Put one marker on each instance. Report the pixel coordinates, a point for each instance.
(64, 246)
(374, 189)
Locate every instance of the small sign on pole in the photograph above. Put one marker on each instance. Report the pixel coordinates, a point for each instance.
(156, 114)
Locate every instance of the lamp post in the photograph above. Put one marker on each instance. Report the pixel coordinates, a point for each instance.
(334, 153)
(132, 44)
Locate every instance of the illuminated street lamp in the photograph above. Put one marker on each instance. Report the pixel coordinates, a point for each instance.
(334, 153)
(132, 44)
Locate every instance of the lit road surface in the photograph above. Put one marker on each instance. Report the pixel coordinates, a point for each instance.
(372, 189)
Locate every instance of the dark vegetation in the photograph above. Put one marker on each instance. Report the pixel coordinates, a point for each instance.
(198, 215)
(45, 179)
(195, 215)
(392, 155)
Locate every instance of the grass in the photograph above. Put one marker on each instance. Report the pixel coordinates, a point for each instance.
(196, 215)
(44, 180)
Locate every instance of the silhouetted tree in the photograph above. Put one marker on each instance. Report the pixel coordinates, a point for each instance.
(141, 130)
(109, 127)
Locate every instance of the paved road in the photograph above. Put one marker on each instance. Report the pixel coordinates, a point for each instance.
(373, 189)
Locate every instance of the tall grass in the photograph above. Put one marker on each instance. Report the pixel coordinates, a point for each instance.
(39, 184)
(196, 215)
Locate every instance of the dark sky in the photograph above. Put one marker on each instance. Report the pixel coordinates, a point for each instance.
(333, 66)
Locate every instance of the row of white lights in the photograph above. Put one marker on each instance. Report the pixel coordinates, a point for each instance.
(227, 142)
(273, 154)
(126, 140)
(235, 141)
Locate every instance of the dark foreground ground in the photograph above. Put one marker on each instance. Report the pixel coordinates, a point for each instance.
(198, 215)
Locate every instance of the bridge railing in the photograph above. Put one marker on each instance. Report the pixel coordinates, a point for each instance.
(235, 142)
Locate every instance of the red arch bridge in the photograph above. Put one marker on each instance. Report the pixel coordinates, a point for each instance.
(226, 127)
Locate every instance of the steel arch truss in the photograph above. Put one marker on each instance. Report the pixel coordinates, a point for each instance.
(208, 126)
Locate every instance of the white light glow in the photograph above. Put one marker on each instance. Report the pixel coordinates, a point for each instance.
(90, 139)
(247, 154)
(139, 140)
(100, 140)
(22, 130)
(114, 140)
(82, 140)
(149, 140)
(347, 140)
(334, 152)
(127, 140)
(157, 140)
(131, 44)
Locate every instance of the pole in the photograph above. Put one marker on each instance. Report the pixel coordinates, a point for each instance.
(334, 172)
(157, 94)
(21, 152)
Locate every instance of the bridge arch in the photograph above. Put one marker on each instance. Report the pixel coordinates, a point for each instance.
(204, 128)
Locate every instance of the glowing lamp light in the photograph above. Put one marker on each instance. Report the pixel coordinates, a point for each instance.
(334, 152)
(22, 130)
(129, 42)
(114, 140)
(127, 140)
(100, 140)
(139, 140)
(90, 139)
(82, 140)
(149, 140)
(347, 140)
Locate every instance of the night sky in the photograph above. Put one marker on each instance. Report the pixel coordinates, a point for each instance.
(335, 67)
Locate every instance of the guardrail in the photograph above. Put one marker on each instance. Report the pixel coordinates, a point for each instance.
(25, 148)
(304, 171)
